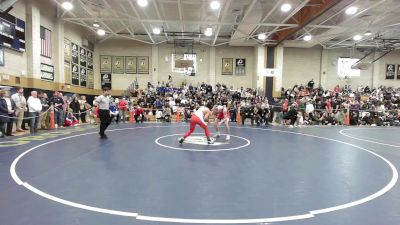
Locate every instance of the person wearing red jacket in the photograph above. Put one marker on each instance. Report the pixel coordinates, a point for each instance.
(123, 107)
(139, 114)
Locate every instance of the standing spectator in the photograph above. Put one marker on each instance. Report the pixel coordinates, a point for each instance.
(44, 115)
(75, 106)
(3, 113)
(123, 107)
(35, 107)
(20, 103)
(11, 113)
(83, 108)
(58, 103)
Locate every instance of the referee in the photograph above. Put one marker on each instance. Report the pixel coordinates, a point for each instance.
(103, 102)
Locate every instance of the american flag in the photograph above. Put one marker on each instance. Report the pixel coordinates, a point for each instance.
(45, 42)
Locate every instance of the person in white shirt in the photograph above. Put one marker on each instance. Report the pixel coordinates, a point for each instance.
(35, 107)
(20, 103)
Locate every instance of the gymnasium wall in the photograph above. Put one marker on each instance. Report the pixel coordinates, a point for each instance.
(301, 65)
(165, 51)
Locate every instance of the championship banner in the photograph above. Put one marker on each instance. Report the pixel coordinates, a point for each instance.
(118, 65)
(227, 66)
(67, 50)
(130, 65)
(46, 72)
(83, 77)
(74, 53)
(390, 71)
(82, 57)
(240, 68)
(75, 74)
(398, 72)
(106, 80)
(90, 79)
(143, 65)
(105, 64)
(67, 72)
(89, 60)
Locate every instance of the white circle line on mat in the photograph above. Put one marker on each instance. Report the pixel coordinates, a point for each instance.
(342, 132)
(157, 141)
(312, 213)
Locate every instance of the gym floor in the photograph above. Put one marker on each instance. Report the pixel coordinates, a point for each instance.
(142, 175)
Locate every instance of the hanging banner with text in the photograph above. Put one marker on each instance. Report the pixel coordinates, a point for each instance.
(130, 64)
(118, 65)
(398, 72)
(90, 76)
(390, 71)
(67, 50)
(46, 72)
(74, 53)
(106, 80)
(83, 76)
(105, 64)
(89, 60)
(82, 57)
(240, 67)
(67, 72)
(75, 74)
(143, 65)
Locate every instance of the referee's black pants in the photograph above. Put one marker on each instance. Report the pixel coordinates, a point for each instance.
(105, 120)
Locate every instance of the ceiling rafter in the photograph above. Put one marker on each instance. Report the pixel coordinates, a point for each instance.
(356, 15)
(95, 17)
(266, 16)
(181, 16)
(220, 17)
(160, 18)
(141, 22)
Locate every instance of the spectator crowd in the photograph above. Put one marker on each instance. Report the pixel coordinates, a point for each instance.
(296, 106)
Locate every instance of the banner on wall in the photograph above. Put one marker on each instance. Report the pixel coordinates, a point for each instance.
(390, 71)
(46, 72)
(75, 74)
(89, 60)
(82, 57)
(398, 72)
(130, 64)
(105, 64)
(106, 80)
(67, 72)
(67, 50)
(83, 76)
(118, 65)
(240, 67)
(143, 65)
(74, 53)
(90, 79)
(227, 66)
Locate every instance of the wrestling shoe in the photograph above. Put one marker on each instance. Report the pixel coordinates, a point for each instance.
(210, 141)
(228, 137)
(181, 140)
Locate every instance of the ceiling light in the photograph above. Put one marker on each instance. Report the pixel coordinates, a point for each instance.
(67, 5)
(286, 7)
(262, 36)
(215, 5)
(208, 32)
(368, 33)
(142, 3)
(307, 38)
(351, 10)
(357, 37)
(96, 25)
(156, 30)
(101, 32)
